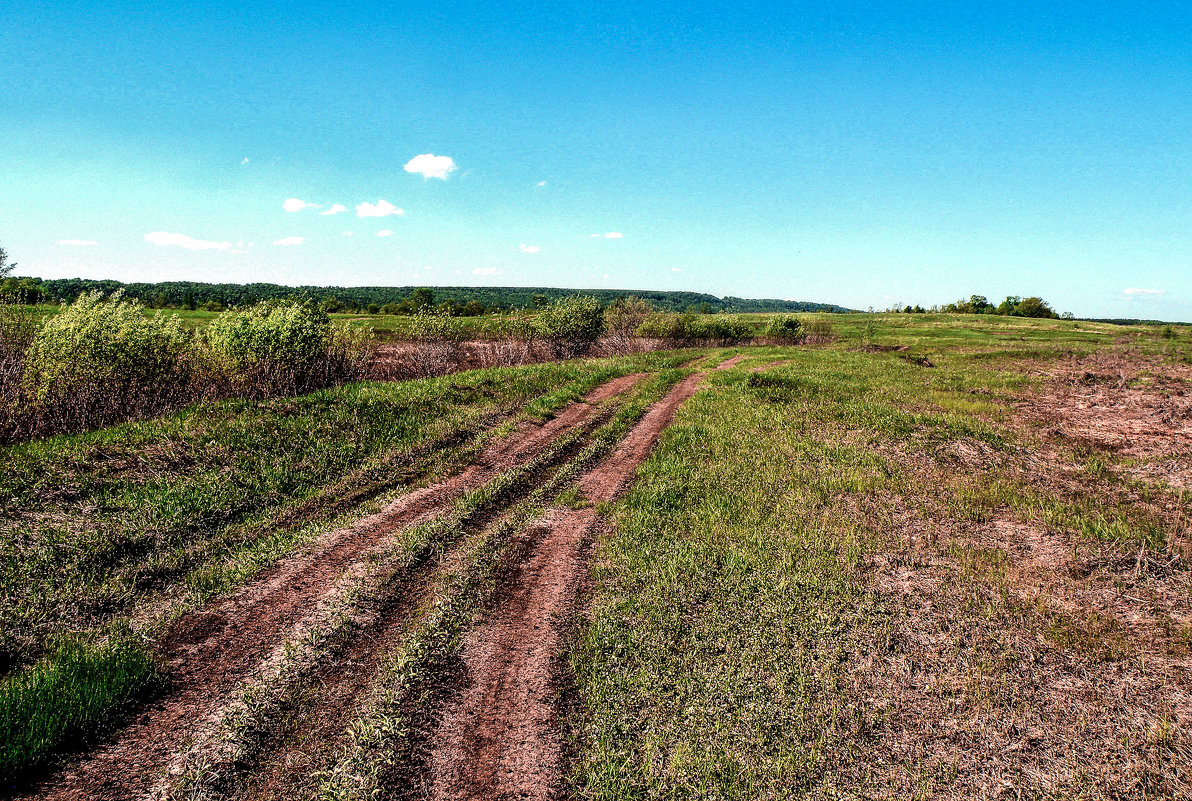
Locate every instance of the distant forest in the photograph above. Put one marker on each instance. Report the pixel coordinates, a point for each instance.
(469, 299)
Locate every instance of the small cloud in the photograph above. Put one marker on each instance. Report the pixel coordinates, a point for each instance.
(77, 243)
(428, 165)
(386, 232)
(427, 267)
(244, 161)
(164, 239)
(294, 204)
(1144, 292)
(239, 250)
(289, 241)
(338, 208)
(540, 183)
(484, 271)
(614, 235)
(382, 208)
(529, 248)
(348, 233)
(593, 236)
(675, 270)
(606, 276)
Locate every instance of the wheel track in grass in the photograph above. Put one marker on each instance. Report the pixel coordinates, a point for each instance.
(498, 736)
(210, 651)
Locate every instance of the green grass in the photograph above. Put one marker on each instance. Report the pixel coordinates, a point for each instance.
(735, 605)
(101, 525)
(70, 697)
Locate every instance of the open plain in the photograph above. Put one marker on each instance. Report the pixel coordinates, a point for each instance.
(933, 556)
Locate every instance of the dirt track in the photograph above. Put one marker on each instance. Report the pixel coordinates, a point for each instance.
(209, 652)
(500, 737)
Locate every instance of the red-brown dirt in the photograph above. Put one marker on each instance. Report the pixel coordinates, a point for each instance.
(209, 651)
(499, 737)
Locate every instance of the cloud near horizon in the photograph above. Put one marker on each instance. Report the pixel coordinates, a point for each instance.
(428, 165)
(529, 248)
(164, 239)
(1134, 291)
(382, 208)
(338, 208)
(289, 241)
(386, 232)
(486, 271)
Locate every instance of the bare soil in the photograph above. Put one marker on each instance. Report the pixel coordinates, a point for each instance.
(1024, 661)
(500, 736)
(209, 651)
(1129, 405)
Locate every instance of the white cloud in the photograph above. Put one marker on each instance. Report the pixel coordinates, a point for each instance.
(427, 267)
(529, 248)
(288, 241)
(606, 276)
(485, 271)
(614, 235)
(386, 232)
(183, 241)
(78, 243)
(382, 208)
(239, 250)
(1150, 292)
(294, 204)
(338, 208)
(428, 165)
(675, 270)
(244, 161)
(347, 233)
(540, 183)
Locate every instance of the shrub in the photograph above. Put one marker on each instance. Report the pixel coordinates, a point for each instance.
(719, 328)
(785, 329)
(621, 321)
(674, 327)
(570, 325)
(103, 358)
(281, 347)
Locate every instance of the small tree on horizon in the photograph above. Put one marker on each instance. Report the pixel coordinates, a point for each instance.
(5, 268)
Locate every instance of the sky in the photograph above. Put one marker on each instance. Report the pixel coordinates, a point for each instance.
(864, 154)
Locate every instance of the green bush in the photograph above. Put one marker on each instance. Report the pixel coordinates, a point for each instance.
(107, 351)
(276, 332)
(571, 325)
(719, 328)
(785, 329)
(283, 347)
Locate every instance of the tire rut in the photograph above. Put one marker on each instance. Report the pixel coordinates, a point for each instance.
(499, 736)
(210, 651)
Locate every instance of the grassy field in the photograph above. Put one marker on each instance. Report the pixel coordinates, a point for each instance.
(939, 556)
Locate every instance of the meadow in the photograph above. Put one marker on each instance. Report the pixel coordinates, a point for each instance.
(920, 556)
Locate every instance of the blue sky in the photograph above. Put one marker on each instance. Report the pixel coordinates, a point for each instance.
(855, 153)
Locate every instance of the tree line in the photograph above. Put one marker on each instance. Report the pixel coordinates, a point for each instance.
(378, 299)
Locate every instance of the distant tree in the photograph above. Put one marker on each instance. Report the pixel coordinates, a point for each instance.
(5, 267)
(422, 298)
(1034, 307)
